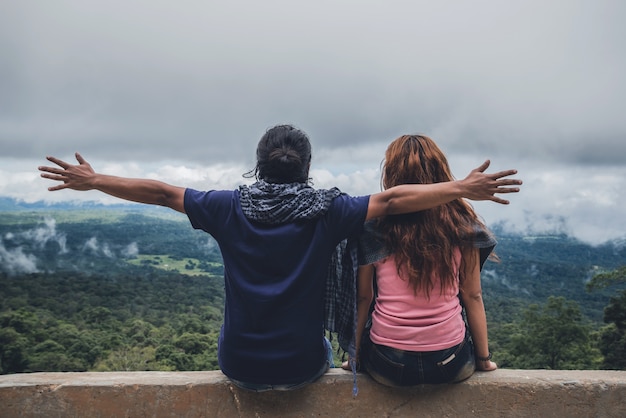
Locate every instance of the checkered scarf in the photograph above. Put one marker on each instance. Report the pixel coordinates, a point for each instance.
(340, 310)
(276, 203)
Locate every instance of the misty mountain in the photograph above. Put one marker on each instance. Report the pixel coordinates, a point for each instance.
(9, 204)
(106, 241)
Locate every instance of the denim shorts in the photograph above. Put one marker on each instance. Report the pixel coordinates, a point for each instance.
(393, 367)
(264, 387)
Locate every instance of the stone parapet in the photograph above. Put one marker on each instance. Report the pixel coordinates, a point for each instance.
(503, 393)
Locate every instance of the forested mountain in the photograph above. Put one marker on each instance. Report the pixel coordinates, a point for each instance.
(532, 268)
(137, 288)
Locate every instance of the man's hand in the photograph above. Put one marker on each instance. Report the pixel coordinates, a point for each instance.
(481, 186)
(83, 177)
(75, 177)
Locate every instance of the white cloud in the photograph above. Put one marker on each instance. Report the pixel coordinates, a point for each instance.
(585, 202)
(43, 234)
(15, 261)
(131, 250)
(91, 245)
(106, 250)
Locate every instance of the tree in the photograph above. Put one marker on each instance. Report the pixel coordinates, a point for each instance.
(50, 356)
(607, 278)
(612, 342)
(18, 331)
(13, 346)
(190, 351)
(553, 336)
(130, 359)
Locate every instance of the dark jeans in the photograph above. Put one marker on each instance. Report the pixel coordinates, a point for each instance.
(393, 367)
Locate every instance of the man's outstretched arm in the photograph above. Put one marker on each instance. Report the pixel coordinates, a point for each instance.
(83, 177)
(478, 185)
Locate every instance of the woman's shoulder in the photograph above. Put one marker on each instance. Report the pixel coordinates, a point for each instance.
(481, 236)
(372, 245)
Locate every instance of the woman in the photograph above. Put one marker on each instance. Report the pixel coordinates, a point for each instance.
(276, 238)
(426, 267)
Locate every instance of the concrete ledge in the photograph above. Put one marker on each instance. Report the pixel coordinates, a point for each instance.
(503, 393)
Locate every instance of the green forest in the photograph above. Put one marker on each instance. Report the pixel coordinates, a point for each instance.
(134, 288)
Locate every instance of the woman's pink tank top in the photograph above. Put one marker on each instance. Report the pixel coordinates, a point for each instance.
(412, 322)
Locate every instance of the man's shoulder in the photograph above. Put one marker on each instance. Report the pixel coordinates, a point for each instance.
(346, 199)
(209, 198)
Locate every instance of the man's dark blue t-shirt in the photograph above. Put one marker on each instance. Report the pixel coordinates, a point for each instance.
(274, 284)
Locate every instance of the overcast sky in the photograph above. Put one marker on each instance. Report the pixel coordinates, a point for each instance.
(182, 91)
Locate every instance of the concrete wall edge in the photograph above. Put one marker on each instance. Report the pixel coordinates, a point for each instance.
(504, 392)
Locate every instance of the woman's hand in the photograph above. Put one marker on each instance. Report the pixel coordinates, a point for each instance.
(486, 365)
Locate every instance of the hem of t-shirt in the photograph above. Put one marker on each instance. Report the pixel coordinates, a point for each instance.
(418, 347)
(290, 381)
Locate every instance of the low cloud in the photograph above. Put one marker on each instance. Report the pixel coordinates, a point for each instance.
(491, 276)
(41, 235)
(585, 202)
(91, 246)
(130, 251)
(14, 261)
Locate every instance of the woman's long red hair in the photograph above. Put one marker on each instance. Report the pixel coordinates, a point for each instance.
(424, 242)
